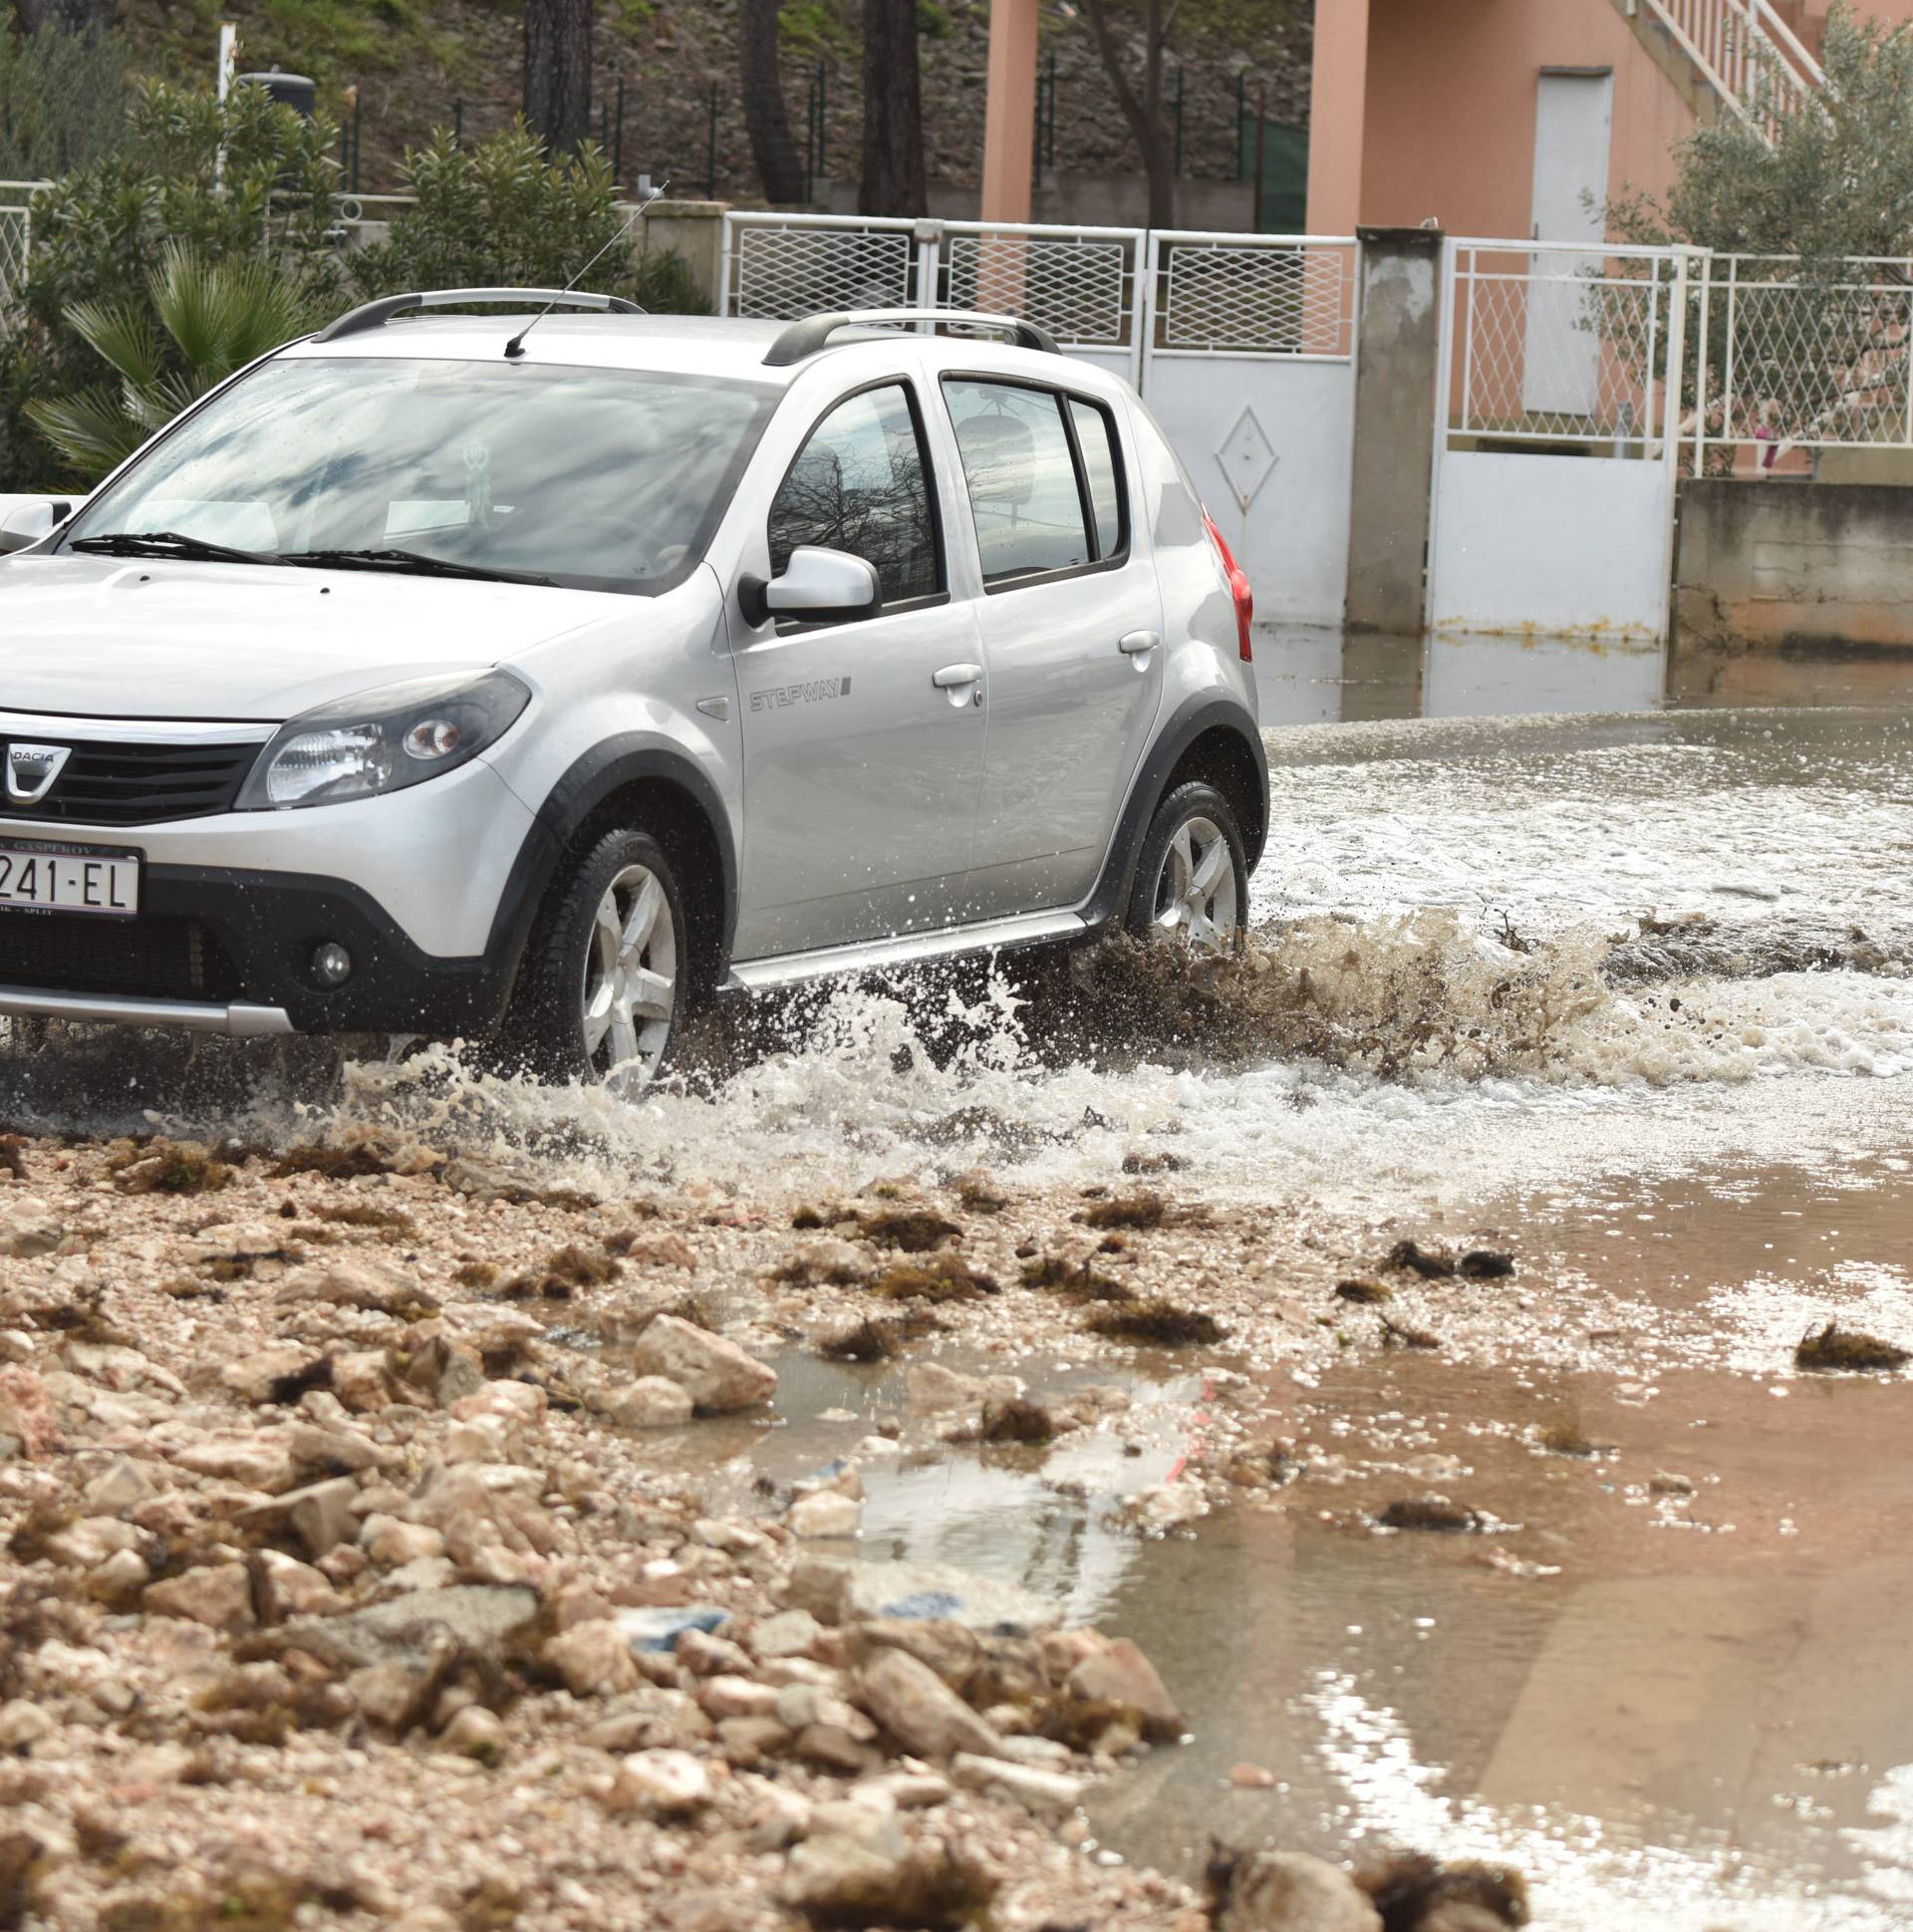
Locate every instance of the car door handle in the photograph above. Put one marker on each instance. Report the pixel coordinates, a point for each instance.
(1137, 642)
(955, 677)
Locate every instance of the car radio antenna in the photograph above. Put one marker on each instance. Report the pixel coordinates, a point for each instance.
(516, 345)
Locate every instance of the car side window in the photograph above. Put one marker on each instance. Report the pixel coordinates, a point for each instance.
(860, 484)
(1096, 439)
(1023, 488)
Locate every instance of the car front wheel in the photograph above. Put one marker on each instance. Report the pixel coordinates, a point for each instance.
(1192, 883)
(603, 985)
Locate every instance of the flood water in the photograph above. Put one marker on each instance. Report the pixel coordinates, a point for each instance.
(1622, 984)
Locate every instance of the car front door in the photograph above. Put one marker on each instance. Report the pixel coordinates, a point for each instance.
(863, 739)
(1072, 619)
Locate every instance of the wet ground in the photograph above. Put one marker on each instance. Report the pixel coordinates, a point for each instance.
(1622, 987)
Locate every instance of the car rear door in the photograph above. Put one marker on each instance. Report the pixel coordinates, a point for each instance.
(1072, 621)
(863, 740)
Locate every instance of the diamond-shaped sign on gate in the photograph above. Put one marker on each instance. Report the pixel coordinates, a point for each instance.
(1247, 457)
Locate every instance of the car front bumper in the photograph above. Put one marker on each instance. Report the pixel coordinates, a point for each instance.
(426, 890)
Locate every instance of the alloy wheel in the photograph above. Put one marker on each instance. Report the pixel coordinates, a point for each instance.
(629, 990)
(1194, 902)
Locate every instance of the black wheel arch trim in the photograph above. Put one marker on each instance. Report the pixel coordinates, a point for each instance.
(1202, 712)
(584, 786)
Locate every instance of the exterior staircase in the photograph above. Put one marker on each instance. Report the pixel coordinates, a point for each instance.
(1742, 57)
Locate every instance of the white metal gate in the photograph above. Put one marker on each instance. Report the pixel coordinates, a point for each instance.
(1249, 366)
(1560, 519)
(1243, 346)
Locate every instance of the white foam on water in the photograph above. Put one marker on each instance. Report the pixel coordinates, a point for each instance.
(1374, 1063)
(1582, 1876)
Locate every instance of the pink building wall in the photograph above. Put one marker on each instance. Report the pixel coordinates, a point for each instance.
(1426, 108)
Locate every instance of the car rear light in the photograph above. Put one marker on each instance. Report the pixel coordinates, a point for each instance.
(1237, 589)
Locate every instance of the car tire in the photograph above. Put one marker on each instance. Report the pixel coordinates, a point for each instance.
(1191, 877)
(606, 974)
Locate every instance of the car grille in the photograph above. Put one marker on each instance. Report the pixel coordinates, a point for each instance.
(151, 959)
(140, 783)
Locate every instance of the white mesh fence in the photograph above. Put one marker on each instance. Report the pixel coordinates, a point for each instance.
(779, 267)
(1080, 285)
(1803, 354)
(1264, 296)
(1560, 344)
(16, 237)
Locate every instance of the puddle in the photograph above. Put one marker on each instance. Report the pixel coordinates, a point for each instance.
(1672, 1707)
(1051, 1518)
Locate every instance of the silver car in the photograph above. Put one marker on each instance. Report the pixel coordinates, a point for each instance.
(534, 677)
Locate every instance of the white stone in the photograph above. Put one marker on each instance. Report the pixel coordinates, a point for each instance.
(791, 1633)
(651, 1401)
(217, 1594)
(22, 1725)
(117, 1488)
(737, 1696)
(920, 1710)
(716, 1374)
(1048, 1792)
(594, 1658)
(827, 1513)
(1119, 1673)
(663, 1784)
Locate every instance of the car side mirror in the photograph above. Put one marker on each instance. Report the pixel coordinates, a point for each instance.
(24, 520)
(819, 586)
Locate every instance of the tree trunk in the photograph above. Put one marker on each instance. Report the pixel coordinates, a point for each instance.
(893, 179)
(1143, 110)
(780, 168)
(87, 18)
(558, 71)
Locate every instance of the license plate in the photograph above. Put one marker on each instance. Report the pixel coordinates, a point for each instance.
(69, 878)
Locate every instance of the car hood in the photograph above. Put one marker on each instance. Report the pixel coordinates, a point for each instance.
(112, 638)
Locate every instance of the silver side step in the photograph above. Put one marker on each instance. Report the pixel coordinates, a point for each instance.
(904, 949)
(239, 1020)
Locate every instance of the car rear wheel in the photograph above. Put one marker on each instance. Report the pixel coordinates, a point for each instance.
(1192, 883)
(603, 985)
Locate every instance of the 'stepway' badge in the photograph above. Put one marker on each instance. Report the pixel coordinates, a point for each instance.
(819, 690)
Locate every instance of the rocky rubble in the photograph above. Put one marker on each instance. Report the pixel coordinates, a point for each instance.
(333, 1580)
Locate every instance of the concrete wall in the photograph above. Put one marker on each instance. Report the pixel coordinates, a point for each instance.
(1793, 567)
(1395, 371)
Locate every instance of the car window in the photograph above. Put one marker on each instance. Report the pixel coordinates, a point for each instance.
(1096, 439)
(1023, 491)
(860, 484)
(599, 479)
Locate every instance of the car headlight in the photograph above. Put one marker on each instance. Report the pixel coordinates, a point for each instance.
(383, 740)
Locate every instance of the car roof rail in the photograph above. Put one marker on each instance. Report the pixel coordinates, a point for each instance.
(805, 338)
(375, 315)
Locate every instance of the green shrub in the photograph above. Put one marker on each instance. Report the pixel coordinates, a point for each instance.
(99, 232)
(496, 213)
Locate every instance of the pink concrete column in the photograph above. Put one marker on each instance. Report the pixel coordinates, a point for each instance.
(1009, 115)
(1337, 106)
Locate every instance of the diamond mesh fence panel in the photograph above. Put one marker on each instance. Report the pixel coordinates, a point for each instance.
(15, 236)
(1262, 297)
(1809, 356)
(1560, 347)
(1080, 288)
(778, 273)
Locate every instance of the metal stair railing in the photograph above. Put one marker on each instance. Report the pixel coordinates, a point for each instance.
(1747, 53)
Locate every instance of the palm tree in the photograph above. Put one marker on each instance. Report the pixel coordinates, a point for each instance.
(205, 320)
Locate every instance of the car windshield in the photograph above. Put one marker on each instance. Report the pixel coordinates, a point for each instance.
(592, 477)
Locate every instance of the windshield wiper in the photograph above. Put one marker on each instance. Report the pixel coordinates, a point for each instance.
(412, 559)
(169, 543)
